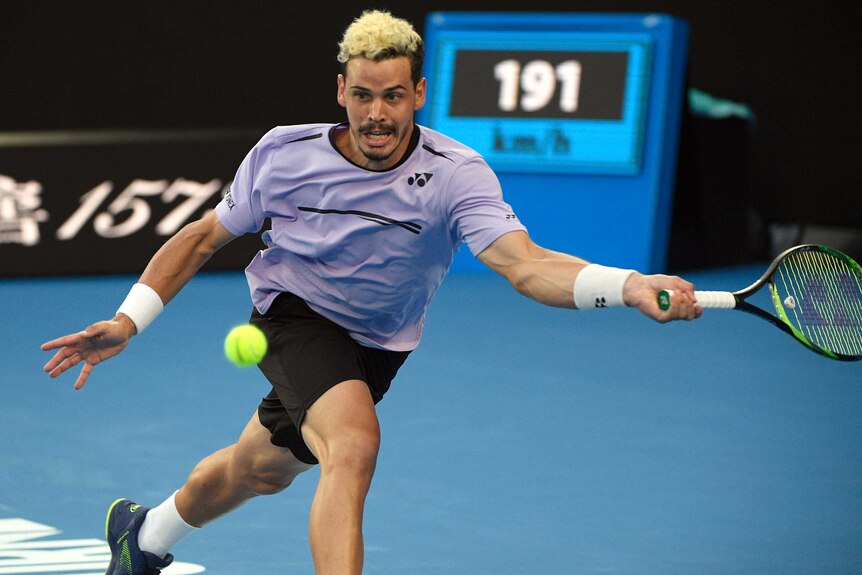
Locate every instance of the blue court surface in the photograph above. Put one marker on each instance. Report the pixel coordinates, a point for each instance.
(518, 439)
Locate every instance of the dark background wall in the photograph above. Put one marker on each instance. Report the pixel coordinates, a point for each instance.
(254, 64)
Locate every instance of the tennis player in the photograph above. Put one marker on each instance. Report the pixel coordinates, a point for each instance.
(365, 218)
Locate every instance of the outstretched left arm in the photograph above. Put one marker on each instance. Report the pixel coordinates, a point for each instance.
(549, 277)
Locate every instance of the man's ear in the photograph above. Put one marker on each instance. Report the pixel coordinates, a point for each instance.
(420, 94)
(340, 95)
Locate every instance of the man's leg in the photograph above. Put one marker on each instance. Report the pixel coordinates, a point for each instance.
(231, 476)
(140, 538)
(219, 484)
(342, 431)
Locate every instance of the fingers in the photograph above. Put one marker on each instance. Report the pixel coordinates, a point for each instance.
(73, 349)
(72, 339)
(82, 377)
(671, 298)
(682, 302)
(685, 307)
(64, 359)
(68, 358)
(686, 290)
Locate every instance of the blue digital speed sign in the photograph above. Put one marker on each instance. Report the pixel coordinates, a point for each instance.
(577, 113)
(562, 102)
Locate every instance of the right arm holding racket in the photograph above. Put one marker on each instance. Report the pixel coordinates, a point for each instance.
(562, 280)
(816, 291)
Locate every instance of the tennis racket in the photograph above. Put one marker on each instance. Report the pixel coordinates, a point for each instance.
(817, 294)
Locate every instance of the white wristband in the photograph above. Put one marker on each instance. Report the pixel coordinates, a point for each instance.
(142, 305)
(598, 286)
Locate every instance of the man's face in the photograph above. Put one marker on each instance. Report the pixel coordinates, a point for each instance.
(380, 100)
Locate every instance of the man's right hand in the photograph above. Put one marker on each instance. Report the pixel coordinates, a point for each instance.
(94, 345)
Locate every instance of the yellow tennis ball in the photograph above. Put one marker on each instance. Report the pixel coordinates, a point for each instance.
(245, 345)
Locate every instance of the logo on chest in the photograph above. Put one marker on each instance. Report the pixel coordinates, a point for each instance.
(419, 179)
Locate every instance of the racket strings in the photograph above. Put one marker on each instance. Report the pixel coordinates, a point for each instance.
(823, 300)
(838, 292)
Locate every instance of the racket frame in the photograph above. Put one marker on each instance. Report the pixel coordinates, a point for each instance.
(781, 320)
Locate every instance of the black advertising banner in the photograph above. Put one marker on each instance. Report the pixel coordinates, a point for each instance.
(95, 203)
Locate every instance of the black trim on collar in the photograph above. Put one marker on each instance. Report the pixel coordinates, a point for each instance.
(428, 148)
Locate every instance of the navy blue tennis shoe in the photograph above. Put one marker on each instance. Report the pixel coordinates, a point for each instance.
(121, 530)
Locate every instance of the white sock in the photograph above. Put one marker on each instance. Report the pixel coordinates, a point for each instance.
(163, 528)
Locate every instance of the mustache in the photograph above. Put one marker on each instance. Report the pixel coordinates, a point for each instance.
(376, 127)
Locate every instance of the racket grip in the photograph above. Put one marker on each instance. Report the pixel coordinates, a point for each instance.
(711, 299)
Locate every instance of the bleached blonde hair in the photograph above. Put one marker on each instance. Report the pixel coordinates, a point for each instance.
(378, 35)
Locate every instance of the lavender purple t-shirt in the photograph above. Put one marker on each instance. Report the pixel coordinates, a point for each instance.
(365, 249)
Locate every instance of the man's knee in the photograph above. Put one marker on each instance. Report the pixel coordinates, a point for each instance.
(342, 431)
(260, 474)
(265, 481)
(354, 451)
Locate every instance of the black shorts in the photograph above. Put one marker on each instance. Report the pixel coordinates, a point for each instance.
(308, 355)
